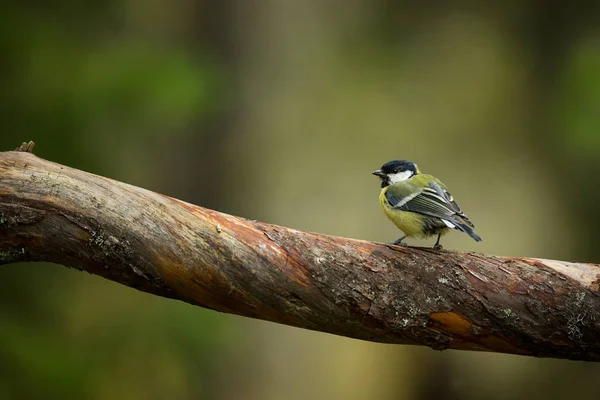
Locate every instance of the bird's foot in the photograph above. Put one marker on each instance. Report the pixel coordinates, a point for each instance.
(399, 242)
(438, 246)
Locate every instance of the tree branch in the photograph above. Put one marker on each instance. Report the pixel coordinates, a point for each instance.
(157, 244)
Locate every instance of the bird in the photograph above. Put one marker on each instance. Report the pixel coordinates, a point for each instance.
(419, 204)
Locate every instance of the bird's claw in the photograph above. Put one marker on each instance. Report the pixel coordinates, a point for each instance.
(400, 243)
(438, 247)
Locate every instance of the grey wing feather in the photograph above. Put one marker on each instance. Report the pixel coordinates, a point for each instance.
(448, 201)
(435, 201)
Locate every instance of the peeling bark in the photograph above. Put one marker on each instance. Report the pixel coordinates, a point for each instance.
(384, 293)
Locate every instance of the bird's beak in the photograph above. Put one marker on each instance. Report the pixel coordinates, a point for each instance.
(379, 173)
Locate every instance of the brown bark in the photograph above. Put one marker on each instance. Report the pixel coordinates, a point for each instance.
(371, 291)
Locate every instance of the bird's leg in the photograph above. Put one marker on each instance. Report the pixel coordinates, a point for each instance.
(437, 244)
(399, 242)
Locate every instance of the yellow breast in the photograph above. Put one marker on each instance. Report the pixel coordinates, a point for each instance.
(408, 222)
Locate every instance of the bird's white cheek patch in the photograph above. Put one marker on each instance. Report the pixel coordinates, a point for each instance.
(449, 224)
(400, 176)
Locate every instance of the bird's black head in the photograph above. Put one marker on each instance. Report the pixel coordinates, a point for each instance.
(396, 171)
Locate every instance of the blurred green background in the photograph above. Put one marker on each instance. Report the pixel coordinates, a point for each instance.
(279, 111)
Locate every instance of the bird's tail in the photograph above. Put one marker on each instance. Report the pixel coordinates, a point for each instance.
(467, 229)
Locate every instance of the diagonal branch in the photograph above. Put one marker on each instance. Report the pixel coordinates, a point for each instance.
(365, 290)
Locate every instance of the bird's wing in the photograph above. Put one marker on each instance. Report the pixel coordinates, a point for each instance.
(432, 200)
(442, 191)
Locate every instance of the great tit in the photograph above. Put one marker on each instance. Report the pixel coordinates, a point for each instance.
(419, 204)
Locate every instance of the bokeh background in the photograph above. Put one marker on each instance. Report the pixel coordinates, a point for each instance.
(279, 111)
